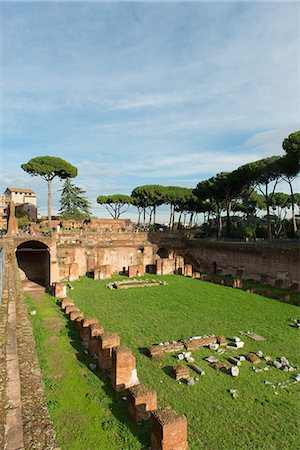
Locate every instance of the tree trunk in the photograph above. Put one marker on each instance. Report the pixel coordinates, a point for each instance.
(293, 208)
(191, 218)
(154, 216)
(144, 217)
(139, 217)
(269, 226)
(228, 220)
(49, 204)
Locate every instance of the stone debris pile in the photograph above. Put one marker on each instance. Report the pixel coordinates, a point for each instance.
(192, 343)
(295, 323)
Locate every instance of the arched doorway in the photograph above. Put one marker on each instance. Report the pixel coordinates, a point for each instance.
(163, 252)
(34, 259)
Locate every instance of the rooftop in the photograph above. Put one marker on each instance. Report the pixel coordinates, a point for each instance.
(15, 189)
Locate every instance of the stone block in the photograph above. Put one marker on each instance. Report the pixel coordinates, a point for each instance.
(219, 365)
(168, 430)
(221, 340)
(141, 401)
(136, 271)
(95, 330)
(84, 330)
(107, 342)
(66, 302)
(59, 290)
(70, 308)
(188, 270)
(73, 272)
(197, 275)
(194, 344)
(102, 272)
(76, 315)
(237, 283)
(180, 372)
(165, 266)
(156, 351)
(123, 370)
(253, 358)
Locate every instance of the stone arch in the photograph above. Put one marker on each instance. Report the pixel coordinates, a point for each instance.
(163, 252)
(34, 259)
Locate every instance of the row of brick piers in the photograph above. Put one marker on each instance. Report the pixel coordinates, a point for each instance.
(168, 428)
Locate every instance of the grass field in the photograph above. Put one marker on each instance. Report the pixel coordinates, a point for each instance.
(88, 415)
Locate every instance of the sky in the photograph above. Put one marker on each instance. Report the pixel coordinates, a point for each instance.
(136, 93)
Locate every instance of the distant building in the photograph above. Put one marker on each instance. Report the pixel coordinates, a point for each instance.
(20, 196)
(24, 200)
(3, 212)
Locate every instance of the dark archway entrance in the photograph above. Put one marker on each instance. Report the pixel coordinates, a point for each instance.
(163, 252)
(34, 259)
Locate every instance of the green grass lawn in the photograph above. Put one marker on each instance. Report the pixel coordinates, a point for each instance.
(257, 419)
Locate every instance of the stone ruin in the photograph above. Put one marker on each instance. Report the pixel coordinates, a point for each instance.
(168, 429)
(141, 402)
(123, 370)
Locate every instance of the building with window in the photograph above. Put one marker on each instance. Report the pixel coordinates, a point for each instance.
(20, 196)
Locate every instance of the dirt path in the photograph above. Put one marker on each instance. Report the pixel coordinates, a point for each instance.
(26, 422)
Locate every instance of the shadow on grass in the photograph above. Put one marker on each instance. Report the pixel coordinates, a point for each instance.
(144, 351)
(118, 406)
(168, 370)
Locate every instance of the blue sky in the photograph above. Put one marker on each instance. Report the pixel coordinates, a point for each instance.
(139, 93)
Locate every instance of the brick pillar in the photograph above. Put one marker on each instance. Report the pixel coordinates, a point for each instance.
(188, 270)
(141, 401)
(78, 322)
(85, 331)
(123, 371)
(168, 430)
(70, 308)
(66, 302)
(95, 330)
(107, 342)
(59, 290)
(76, 315)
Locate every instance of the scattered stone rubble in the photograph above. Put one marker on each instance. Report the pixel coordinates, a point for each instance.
(135, 283)
(295, 323)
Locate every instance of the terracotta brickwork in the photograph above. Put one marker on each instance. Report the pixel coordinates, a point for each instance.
(59, 290)
(95, 330)
(102, 272)
(85, 330)
(123, 372)
(136, 271)
(141, 401)
(180, 372)
(70, 308)
(168, 430)
(165, 266)
(66, 302)
(75, 315)
(194, 344)
(188, 270)
(156, 351)
(107, 342)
